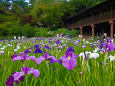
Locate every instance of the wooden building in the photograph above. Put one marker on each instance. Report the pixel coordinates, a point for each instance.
(99, 14)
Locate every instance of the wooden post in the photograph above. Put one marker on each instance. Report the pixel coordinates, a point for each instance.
(81, 30)
(111, 28)
(93, 27)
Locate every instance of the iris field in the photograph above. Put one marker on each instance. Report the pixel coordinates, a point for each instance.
(57, 61)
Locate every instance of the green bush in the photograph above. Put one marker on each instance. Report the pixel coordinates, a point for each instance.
(5, 28)
(13, 28)
(72, 33)
(41, 32)
(61, 30)
(25, 30)
(16, 30)
(28, 30)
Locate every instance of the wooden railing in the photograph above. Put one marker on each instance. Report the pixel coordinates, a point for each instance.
(100, 18)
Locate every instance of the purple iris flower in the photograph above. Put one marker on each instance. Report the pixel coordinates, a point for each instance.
(27, 51)
(69, 60)
(59, 61)
(70, 49)
(57, 42)
(46, 46)
(15, 55)
(101, 46)
(69, 54)
(10, 80)
(47, 57)
(24, 57)
(69, 63)
(92, 46)
(83, 46)
(85, 57)
(52, 61)
(34, 41)
(26, 70)
(50, 42)
(21, 57)
(37, 48)
(107, 46)
(31, 57)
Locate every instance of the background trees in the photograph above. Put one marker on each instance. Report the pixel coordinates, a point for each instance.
(48, 13)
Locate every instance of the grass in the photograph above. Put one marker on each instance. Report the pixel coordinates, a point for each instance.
(93, 72)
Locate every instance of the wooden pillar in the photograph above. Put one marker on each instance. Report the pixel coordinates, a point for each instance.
(111, 28)
(81, 30)
(93, 27)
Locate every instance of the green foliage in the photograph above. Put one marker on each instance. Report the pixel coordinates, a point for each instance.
(5, 28)
(25, 30)
(51, 12)
(16, 9)
(72, 33)
(62, 30)
(56, 74)
(9, 29)
(49, 15)
(41, 32)
(3, 9)
(21, 3)
(28, 30)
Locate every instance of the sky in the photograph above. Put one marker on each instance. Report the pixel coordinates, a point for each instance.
(27, 0)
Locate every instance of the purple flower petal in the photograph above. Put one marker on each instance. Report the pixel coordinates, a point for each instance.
(17, 75)
(36, 73)
(70, 49)
(85, 57)
(39, 60)
(52, 61)
(69, 63)
(17, 58)
(25, 69)
(53, 58)
(60, 61)
(33, 58)
(21, 78)
(15, 55)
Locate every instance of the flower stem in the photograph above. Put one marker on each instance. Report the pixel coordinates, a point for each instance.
(26, 80)
(48, 79)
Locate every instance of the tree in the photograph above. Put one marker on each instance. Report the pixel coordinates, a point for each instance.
(21, 3)
(16, 9)
(49, 13)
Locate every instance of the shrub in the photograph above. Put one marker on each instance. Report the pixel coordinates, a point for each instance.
(41, 32)
(25, 30)
(28, 30)
(62, 30)
(72, 33)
